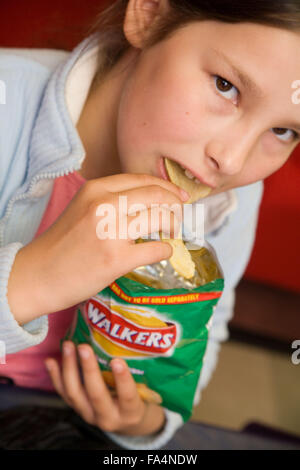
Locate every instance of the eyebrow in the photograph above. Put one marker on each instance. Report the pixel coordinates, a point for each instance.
(247, 82)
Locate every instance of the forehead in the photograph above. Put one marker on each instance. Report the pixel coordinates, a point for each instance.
(264, 58)
(267, 45)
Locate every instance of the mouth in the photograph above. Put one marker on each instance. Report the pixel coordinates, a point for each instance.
(185, 179)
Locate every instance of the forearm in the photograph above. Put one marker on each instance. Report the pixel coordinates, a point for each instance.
(153, 422)
(33, 288)
(15, 336)
(23, 287)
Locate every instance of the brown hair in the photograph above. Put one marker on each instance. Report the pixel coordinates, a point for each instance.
(284, 14)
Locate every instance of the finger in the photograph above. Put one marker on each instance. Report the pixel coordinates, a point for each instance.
(73, 387)
(148, 253)
(150, 196)
(104, 407)
(153, 220)
(56, 378)
(128, 397)
(127, 181)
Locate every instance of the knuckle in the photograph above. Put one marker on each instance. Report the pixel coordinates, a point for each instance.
(95, 399)
(88, 190)
(145, 179)
(88, 419)
(133, 420)
(70, 397)
(111, 258)
(106, 424)
(129, 397)
(158, 192)
(68, 402)
(94, 196)
(100, 205)
(93, 207)
(92, 185)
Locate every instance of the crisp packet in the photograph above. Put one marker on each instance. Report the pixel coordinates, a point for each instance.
(158, 322)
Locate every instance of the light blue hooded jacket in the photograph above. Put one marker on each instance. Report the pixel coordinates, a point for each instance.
(39, 142)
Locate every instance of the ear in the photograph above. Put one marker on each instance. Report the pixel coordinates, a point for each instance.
(140, 18)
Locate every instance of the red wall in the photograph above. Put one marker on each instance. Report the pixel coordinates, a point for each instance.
(62, 24)
(276, 255)
(58, 24)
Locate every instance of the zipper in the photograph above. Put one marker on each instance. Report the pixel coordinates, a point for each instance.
(27, 194)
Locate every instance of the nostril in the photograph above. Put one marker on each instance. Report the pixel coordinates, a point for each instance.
(214, 162)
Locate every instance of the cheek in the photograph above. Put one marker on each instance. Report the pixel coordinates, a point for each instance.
(157, 116)
(176, 112)
(260, 167)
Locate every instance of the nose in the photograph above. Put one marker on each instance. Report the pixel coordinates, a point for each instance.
(229, 155)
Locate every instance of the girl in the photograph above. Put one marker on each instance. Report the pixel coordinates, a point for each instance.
(207, 84)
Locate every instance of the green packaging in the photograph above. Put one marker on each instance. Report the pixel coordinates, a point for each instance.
(161, 332)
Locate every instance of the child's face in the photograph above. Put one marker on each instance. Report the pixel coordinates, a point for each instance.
(174, 103)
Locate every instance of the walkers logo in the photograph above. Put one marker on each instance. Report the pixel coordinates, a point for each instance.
(128, 331)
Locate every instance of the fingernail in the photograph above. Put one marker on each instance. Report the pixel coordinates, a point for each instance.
(48, 365)
(184, 195)
(117, 367)
(83, 352)
(67, 349)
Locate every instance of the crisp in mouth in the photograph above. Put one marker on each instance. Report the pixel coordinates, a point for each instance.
(185, 179)
(189, 174)
(185, 171)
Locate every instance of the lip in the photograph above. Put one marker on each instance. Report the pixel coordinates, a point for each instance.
(164, 173)
(162, 169)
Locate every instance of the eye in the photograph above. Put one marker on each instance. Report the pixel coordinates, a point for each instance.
(225, 88)
(281, 132)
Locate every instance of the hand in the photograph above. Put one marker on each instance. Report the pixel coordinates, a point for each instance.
(125, 413)
(69, 263)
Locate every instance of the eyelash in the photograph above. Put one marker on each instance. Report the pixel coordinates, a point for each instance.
(296, 134)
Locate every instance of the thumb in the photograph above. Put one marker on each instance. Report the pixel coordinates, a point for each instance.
(150, 252)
